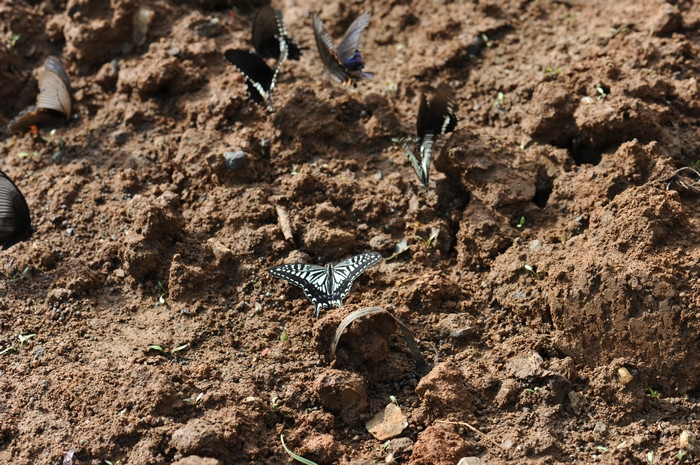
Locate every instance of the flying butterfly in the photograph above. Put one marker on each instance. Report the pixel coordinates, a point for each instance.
(436, 117)
(344, 63)
(270, 35)
(53, 103)
(15, 224)
(326, 286)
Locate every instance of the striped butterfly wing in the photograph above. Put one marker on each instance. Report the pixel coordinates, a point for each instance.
(15, 223)
(312, 279)
(54, 88)
(270, 35)
(346, 272)
(258, 76)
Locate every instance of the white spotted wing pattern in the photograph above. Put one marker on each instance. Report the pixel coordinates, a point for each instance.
(326, 286)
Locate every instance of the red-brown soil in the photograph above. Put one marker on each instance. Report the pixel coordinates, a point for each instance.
(569, 336)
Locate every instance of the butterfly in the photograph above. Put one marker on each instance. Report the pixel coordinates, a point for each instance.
(326, 286)
(270, 35)
(53, 103)
(270, 40)
(15, 224)
(435, 118)
(259, 77)
(344, 63)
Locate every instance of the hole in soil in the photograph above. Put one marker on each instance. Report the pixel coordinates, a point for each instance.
(583, 153)
(543, 188)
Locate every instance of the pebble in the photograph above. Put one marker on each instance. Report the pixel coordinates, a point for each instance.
(600, 428)
(235, 160)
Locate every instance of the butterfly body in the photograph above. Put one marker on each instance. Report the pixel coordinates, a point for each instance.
(435, 117)
(326, 286)
(344, 63)
(15, 222)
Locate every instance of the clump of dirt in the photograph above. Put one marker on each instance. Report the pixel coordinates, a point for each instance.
(549, 273)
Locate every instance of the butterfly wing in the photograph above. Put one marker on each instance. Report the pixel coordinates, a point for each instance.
(329, 57)
(258, 76)
(345, 273)
(270, 35)
(438, 116)
(53, 94)
(418, 165)
(312, 279)
(15, 223)
(350, 43)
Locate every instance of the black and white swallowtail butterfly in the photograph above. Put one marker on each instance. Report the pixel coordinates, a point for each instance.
(259, 77)
(270, 35)
(15, 224)
(436, 117)
(53, 103)
(344, 63)
(326, 286)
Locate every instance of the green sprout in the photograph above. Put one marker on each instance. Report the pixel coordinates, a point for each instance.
(161, 298)
(391, 89)
(521, 223)
(486, 40)
(532, 270)
(22, 339)
(284, 336)
(174, 352)
(195, 401)
(179, 349)
(433, 235)
(601, 92)
(394, 400)
(553, 71)
(654, 394)
(498, 103)
(14, 40)
(296, 457)
(650, 457)
(602, 448)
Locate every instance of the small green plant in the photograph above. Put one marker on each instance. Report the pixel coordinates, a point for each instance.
(650, 457)
(552, 71)
(601, 92)
(532, 270)
(174, 352)
(654, 394)
(14, 40)
(498, 103)
(296, 457)
(284, 336)
(391, 89)
(521, 223)
(161, 297)
(109, 462)
(22, 339)
(429, 241)
(195, 401)
(486, 40)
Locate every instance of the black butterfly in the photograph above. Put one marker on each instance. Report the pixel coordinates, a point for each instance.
(53, 103)
(15, 224)
(259, 77)
(270, 35)
(345, 63)
(326, 286)
(436, 117)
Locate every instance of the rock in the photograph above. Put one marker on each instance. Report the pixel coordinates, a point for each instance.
(388, 423)
(471, 461)
(234, 160)
(600, 428)
(399, 446)
(342, 393)
(689, 442)
(198, 437)
(197, 460)
(577, 400)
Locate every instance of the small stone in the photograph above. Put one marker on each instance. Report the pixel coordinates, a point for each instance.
(624, 375)
(689, 442)
(576, 399)
(461, 333)
(235, 160)
(471, 461)
(388, 423)
(174, 51)
(600, 428)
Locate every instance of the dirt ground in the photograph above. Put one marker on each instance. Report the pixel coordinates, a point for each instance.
(557, 309)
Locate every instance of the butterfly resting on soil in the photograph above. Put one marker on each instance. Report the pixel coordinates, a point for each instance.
(53, 103)
(326, 286)
(344, 63)
(15, 224)
(436, 117)
(270, 40)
